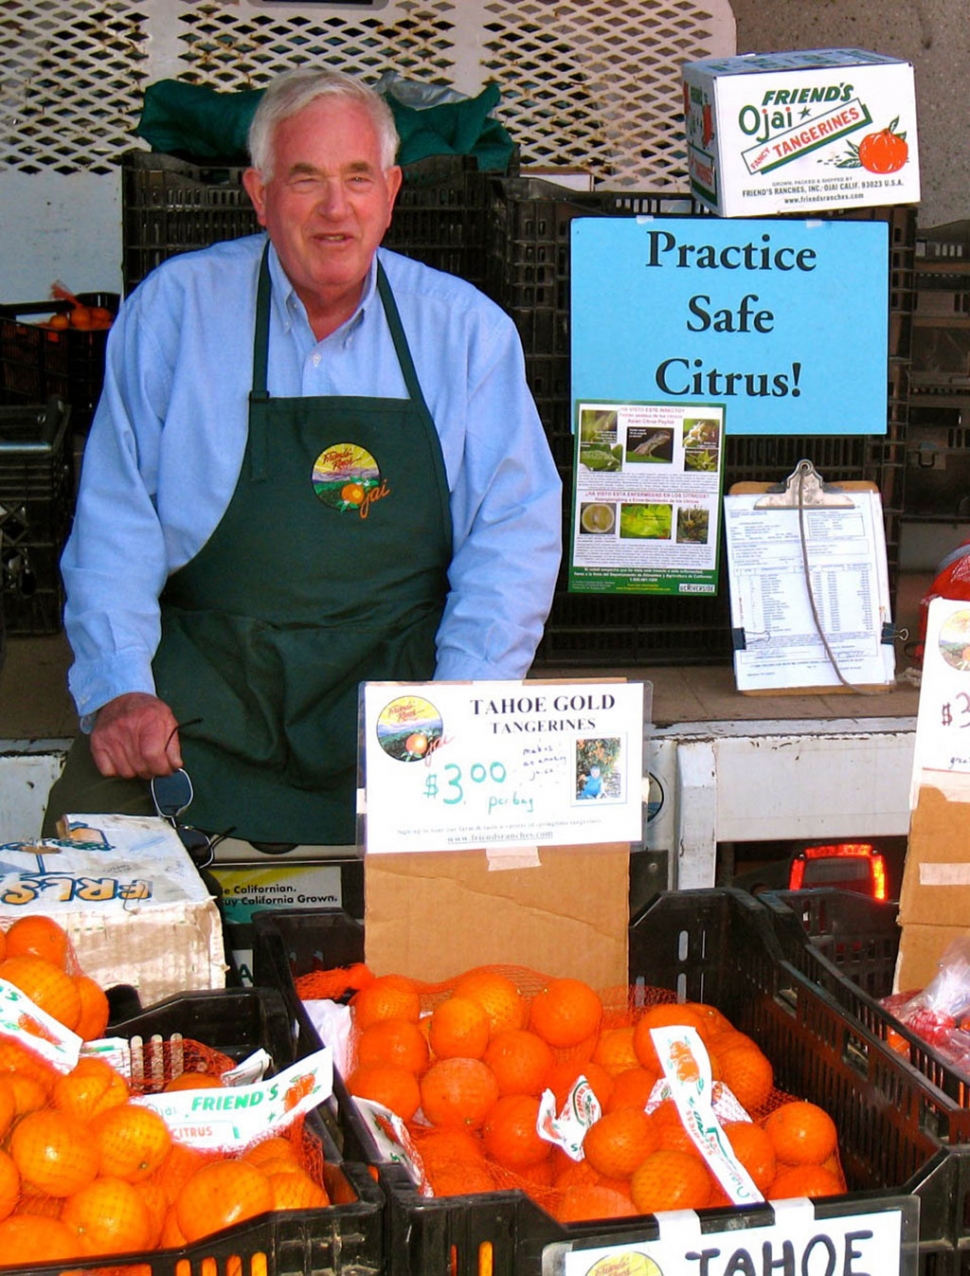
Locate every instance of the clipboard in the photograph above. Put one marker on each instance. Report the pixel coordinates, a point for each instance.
(825, 630)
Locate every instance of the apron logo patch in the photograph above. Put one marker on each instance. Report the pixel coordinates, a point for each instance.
(346, 477)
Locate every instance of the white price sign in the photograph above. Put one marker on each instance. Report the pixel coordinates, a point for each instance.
(797, 1241)
(460, 765)
(943, 719)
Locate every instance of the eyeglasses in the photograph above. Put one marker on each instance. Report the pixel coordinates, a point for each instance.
(172, 796)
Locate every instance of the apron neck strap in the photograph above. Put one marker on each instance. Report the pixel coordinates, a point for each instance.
(261, 330)
(401, 348)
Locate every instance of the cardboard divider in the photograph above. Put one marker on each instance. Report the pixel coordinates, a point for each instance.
(432, 916)
(934, 902)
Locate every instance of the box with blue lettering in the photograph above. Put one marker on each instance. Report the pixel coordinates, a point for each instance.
(133, 903)
(899, 1207)
(801, 131)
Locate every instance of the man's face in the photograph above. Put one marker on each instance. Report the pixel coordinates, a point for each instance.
(327, 205)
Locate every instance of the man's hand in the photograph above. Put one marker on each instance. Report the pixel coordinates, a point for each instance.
(135, 735)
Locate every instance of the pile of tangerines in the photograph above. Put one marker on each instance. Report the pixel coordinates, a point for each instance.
(467, 1078)
(84, 1170)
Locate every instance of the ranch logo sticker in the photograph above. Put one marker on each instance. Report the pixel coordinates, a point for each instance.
(409, 728)
(347, 478)
(955, 640)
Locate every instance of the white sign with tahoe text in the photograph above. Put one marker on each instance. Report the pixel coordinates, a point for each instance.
(460, 765)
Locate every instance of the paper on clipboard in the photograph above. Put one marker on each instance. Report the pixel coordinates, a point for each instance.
(777, 646)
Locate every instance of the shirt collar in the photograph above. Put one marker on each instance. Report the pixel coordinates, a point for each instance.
(289, 308)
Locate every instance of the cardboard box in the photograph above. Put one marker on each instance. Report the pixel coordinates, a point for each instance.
(130, 898)
(920, 951)
(565, 913)
(934, 902)
(795, 132)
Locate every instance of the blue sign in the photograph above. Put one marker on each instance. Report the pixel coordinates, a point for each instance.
(784, 321)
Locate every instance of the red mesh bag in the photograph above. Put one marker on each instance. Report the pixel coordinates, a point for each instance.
(492, 1152)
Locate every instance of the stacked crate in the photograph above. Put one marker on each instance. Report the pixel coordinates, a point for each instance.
(529, 276)
(938, 453)
(36, 507)
(38, 362)
(903, 1126)
(511, 237)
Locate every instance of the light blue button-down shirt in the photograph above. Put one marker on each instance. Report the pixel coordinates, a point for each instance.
(167, 444)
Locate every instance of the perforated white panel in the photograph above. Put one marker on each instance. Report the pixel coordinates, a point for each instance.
(71, 85)
(598, 84)
(584, 82)
(235, 45)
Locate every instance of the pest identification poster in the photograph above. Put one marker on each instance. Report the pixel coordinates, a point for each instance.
(782, 320)
(647, 498)
(463, 765)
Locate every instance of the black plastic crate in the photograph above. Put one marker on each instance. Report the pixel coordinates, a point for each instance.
(636, 628)
(36, 508)
(856, 933)
(529, 240)
(900, 1136)
(938, 465)
(819, 962)
(344, 1239)
(234, 1021)
(172, 206)
(441, 215)
(38, 363)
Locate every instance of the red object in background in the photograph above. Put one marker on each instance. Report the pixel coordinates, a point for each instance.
(849, 866)
(952, 581)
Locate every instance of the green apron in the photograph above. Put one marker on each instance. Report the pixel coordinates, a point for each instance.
(328, 568)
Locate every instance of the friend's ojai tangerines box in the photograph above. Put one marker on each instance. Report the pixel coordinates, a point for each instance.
(801, 131)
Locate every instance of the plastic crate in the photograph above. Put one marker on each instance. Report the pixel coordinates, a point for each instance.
(344, 1239)
(39, 363)
(441, 215)
(938, 466)
(856, 933)
(529, 275)
(172, 206)
(36, 508)
(529, 239)
(819, 963)
(899, 1135)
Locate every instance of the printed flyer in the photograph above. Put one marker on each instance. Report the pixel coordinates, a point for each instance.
(646, 498)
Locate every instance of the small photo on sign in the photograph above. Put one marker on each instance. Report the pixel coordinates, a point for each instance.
(646, 522)
(599, 773)
(645, 445)
(693, 526)
(596, 518)
(702, 439)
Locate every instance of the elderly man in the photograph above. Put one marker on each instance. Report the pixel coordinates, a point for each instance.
(315, 463)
